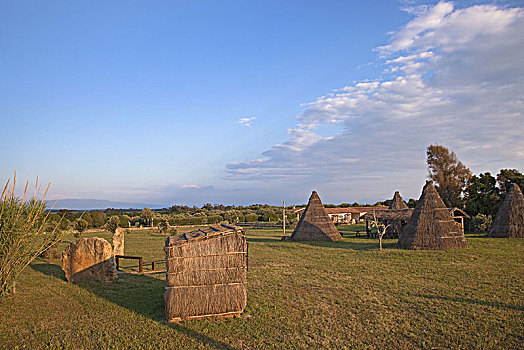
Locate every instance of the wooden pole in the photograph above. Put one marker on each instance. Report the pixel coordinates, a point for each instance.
(284, 217)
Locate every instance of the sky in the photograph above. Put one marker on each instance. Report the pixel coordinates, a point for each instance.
(241, 102)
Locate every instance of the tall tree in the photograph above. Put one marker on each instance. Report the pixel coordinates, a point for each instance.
(508, 176)
(482, 195)
(448, 173)
(146, 216)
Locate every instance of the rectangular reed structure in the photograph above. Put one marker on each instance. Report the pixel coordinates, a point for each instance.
(206, 273)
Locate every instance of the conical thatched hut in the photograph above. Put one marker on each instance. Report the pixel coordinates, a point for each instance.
(398, 202)
(509, 221)
(206, 273)
(315, 224)
(431, 226)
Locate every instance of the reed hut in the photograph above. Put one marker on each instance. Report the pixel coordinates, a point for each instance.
(509, 221)
(393, 219)
(431, 225)
(315, 224)
(206, 273)
(398, 202)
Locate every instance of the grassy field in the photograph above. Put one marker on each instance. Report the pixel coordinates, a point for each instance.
(344, 294)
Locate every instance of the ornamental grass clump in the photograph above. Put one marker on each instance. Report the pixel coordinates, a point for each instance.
(24, 233)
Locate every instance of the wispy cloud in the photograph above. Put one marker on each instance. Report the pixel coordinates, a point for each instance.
(451, 76)
(246, 121)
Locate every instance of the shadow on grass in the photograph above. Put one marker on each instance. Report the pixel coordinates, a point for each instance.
(262, 240)
(141, 294)
(49, 270)
(476, 235)
(369, 245)
(472, 301)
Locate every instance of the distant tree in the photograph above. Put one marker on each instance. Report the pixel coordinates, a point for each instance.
(99, 218)
(67, 214)
(482, 195)
(163, 225)
(124, 220)
(448, 173)
(506, 177)
(412, 202)
(146, 216)
(80, 226)
(112, 223)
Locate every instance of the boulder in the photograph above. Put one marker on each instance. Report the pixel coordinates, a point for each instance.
(118, 241)
(89, 259)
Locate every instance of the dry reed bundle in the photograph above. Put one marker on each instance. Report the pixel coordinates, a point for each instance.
(206, 273)
(431, 225)
(315, 224)
(509, 221)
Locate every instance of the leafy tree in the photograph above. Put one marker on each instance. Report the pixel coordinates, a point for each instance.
(23, 235)
(87, 217)
(163, 225)
(112, 223)
(146, 216)
(99, 219)
(448, 173)
(506, 177)
(67, 214)
(412, 203)
(80, 226)
(482, 195)
(123, 220)
(480, 223)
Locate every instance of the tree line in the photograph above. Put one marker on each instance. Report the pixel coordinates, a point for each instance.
(478, 195)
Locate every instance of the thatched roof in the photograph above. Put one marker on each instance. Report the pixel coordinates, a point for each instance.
(397, 202)
(389, 214)
(203, 233)
(315, 224)
(509, 221)
(206, 273)
(457, 213)
(431, 225)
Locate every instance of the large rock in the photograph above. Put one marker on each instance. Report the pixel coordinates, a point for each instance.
(89, 259)
(118, 241)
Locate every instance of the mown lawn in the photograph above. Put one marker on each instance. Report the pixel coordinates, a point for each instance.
(343, 294)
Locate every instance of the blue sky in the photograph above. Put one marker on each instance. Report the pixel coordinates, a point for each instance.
(255, 101)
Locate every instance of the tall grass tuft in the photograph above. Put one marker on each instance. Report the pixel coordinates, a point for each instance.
(23, 234)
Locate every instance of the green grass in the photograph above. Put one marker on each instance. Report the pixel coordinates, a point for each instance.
(344, 294)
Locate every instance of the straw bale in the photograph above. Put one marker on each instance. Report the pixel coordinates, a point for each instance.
(206, 273)
(431, 225)
(315, 224)
(509, 221)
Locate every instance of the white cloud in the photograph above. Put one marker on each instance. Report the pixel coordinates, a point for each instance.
(455, 77)
(190, 186)
(246, 121)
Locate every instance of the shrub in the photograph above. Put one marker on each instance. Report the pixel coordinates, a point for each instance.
(112, 224)
(163, 225)
(23, 235)
(480, 223)
(124, 221)
(80, 226)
